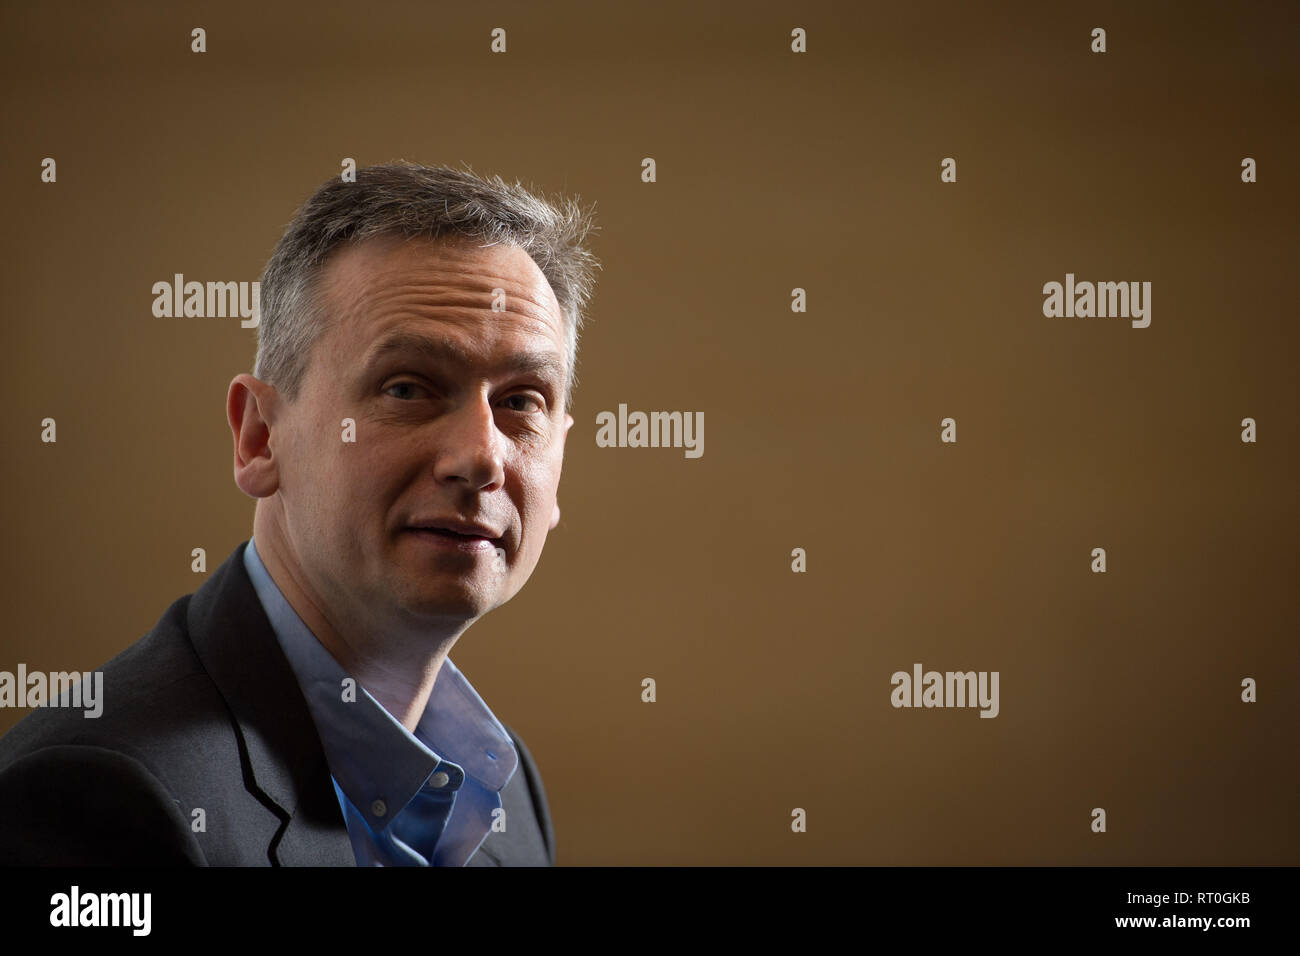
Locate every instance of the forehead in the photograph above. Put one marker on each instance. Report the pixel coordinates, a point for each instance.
(446, 287)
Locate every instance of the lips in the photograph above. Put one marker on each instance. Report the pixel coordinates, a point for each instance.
(458, 529)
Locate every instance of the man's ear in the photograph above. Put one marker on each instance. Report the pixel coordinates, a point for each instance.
(250, 405)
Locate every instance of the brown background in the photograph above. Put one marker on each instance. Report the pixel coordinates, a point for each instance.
(775, 170)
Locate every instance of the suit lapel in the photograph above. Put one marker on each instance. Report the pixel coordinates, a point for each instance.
(484, 857)
(233, 638)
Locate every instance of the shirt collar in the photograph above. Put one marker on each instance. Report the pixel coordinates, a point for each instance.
(370, 753)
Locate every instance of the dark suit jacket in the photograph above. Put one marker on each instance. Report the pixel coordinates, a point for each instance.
(204, 712)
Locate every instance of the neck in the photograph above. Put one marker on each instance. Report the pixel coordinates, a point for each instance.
(398, 668)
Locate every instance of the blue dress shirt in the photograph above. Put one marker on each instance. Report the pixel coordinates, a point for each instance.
(422, 799)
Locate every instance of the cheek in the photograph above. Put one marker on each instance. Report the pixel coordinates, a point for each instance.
(536, 500)
(340, 475)
(540, 481)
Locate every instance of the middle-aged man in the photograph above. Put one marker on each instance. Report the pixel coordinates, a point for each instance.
(403, 434)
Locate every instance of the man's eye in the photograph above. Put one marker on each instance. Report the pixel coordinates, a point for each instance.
(526, 398)
(402, 385)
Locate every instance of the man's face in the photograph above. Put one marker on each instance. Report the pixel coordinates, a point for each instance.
(459, 419)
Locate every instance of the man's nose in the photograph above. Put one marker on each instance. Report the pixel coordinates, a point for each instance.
(470, 446)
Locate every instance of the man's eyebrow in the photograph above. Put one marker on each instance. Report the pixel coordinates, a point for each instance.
(411, 345)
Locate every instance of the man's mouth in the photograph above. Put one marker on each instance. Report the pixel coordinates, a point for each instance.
(462, 534)
(450, 534)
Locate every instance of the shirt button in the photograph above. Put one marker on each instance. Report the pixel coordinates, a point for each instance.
(439, 779)
(379, 808)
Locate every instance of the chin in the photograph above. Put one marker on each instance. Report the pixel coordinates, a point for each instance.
(442, 605)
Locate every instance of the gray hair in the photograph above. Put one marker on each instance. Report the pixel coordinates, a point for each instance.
(408, 200)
